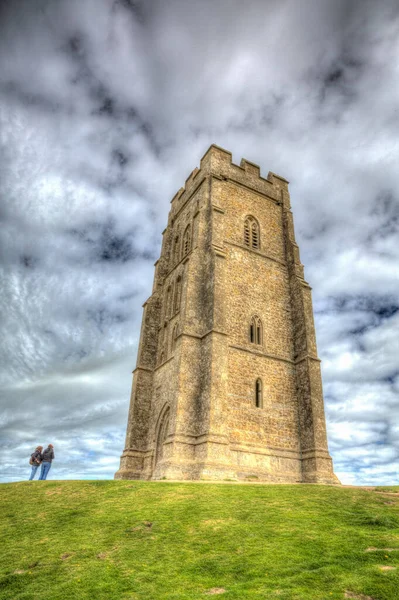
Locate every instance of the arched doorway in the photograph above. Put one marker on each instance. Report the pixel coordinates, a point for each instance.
(162, 432)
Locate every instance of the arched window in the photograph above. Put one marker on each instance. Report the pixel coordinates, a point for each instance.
(186, 241)
(256, 331)
(168, 308)
(258, 394)
(174, 336)
(251, 233)
(176, 250)
(163, 343)
(177, 298)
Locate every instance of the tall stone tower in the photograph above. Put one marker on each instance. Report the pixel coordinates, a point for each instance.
(227, 383)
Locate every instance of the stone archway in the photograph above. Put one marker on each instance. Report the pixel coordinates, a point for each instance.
(162, 432)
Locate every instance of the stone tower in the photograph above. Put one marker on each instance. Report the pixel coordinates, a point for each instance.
(227, 383)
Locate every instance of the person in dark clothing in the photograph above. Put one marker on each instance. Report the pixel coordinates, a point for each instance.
(47, 458)
(35, 461)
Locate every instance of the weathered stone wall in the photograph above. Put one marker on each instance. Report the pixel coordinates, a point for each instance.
(276, 424)
(193, 410)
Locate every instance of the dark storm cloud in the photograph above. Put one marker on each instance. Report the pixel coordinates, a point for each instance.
(105, 241)
(106, 107)
(16, 93)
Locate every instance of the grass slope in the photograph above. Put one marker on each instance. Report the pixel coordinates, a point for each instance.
(156, 540)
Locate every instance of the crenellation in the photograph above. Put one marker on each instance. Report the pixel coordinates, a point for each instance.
(228, 381)
(251, 168)
(178, 194)
(191, 177)
(214, 157)
(218, 162)
(278, 180)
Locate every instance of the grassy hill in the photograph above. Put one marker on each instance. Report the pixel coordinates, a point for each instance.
(108, 540)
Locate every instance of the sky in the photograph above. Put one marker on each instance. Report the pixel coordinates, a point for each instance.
(106, 106)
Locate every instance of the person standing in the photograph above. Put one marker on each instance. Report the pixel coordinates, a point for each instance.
(35, 460)
(47, 458)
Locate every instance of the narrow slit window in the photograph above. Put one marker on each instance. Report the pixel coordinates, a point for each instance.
(255, 235)
(168, 310)
(176, 250)
(164, 346)
(177, 299)
(258, 394)
(187, 240)
(174, 336)
(247, 234)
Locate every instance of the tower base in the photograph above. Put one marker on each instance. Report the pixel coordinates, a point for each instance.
(210, 461)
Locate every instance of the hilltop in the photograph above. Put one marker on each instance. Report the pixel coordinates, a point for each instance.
(184, 541)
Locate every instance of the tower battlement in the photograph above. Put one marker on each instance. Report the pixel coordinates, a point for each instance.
(219, 162)
(227, 382)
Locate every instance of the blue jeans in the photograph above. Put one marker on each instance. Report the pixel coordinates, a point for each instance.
(33, 472)
(44, 470)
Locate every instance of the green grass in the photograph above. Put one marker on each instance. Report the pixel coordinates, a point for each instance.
(393, 489)
(158, 540)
